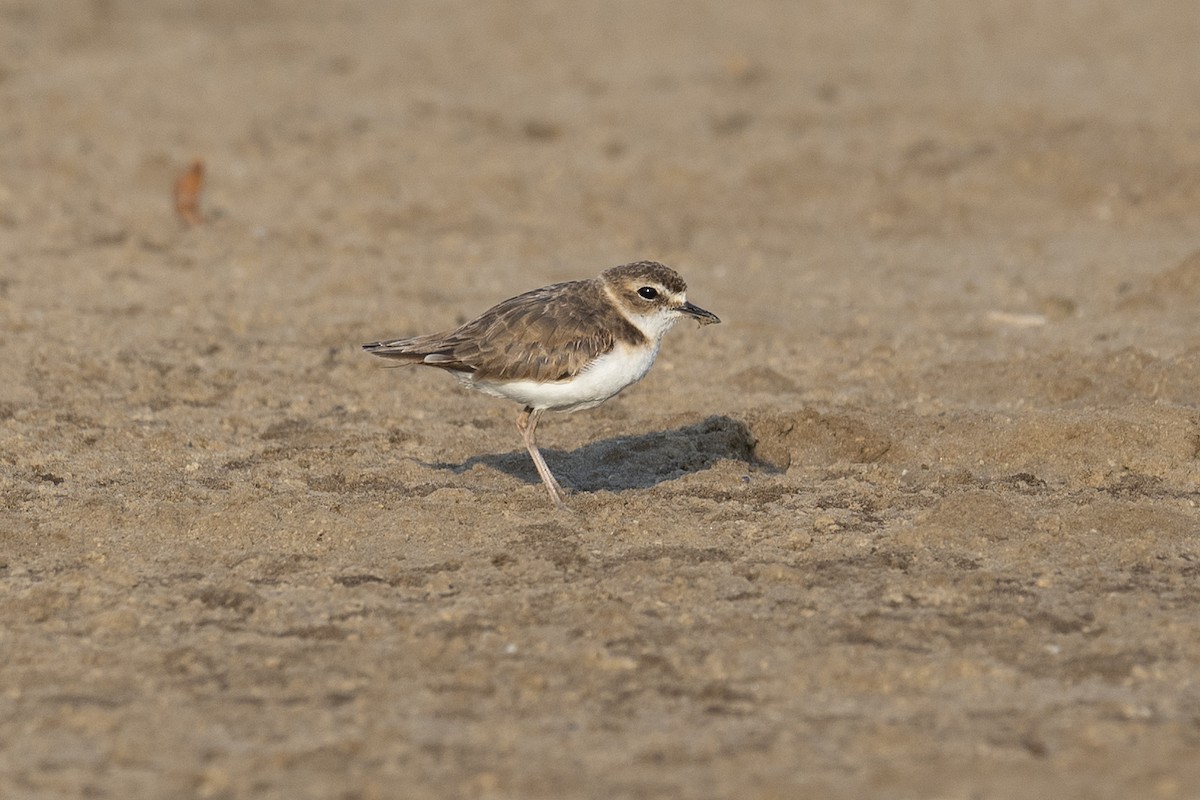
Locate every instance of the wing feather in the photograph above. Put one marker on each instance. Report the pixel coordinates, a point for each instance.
(548, 334)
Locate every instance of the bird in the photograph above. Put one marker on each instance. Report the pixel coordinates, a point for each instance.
(565, 347)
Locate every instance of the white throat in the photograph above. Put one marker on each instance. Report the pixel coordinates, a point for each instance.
(654, 326)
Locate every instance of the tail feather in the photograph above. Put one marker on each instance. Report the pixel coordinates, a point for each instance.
(405, 349)
(418, 350)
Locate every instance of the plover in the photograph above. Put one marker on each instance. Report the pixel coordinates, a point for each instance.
(564, 347)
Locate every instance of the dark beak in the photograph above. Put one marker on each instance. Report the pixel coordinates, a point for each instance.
(702, 316)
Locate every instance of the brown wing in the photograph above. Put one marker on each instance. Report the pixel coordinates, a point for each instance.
(547, 334)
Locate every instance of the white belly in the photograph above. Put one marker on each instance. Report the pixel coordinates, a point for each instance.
(602, 379)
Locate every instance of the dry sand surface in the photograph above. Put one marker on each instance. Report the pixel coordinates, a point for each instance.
(917, 521)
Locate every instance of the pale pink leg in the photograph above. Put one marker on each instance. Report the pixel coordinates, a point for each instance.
(527, 422)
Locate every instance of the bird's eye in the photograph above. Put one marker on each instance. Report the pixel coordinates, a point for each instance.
(648, 292)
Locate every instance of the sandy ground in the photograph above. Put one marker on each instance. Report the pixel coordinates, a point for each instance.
(917, 521)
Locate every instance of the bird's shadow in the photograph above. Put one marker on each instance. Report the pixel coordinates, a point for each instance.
(629, 462)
